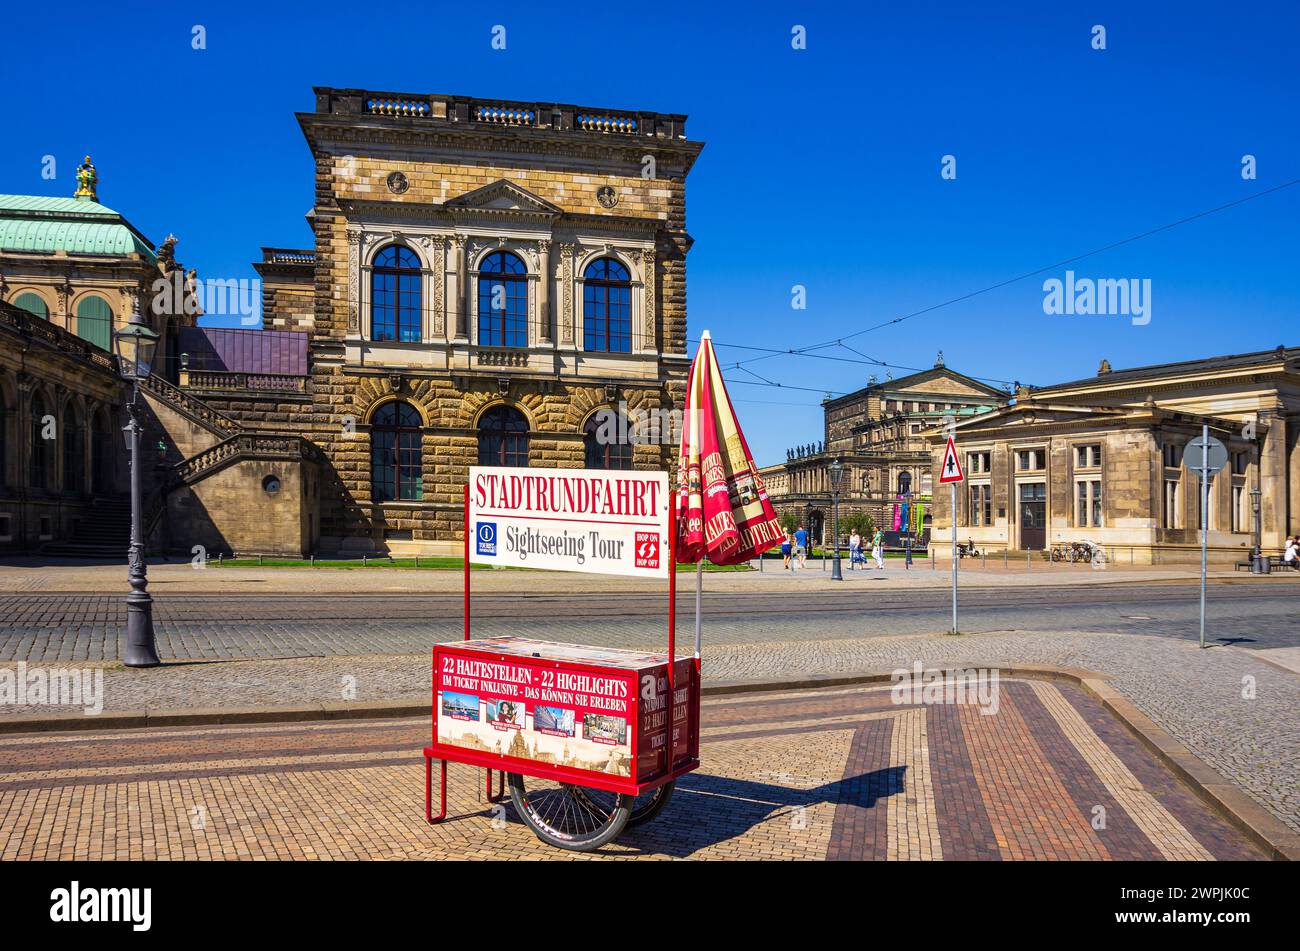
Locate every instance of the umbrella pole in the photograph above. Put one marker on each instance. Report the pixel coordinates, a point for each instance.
(699, 585)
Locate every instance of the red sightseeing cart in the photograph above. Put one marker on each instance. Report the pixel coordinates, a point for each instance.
(581, 733)
(593, 739)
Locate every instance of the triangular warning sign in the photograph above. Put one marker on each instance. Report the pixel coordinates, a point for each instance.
(950, 471)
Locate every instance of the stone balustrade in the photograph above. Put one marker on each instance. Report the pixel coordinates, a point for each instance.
(555, 117)
(226, 381)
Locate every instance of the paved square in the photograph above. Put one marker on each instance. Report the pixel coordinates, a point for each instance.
(835, 773)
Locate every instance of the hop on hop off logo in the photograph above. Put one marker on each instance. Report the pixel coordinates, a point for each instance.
(647, 549)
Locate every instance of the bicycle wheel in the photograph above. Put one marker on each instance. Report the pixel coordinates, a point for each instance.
(560, 815)
(644, 807)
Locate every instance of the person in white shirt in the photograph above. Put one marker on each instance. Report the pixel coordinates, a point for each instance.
(855, 549)
(1289, 556)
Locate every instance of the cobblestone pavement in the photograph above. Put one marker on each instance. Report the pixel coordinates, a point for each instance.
(1199, 696)
(91, 627)
(836, 773)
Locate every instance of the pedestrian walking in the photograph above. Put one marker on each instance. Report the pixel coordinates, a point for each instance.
(785, 552)
(800, 546)
(878, 548)
(855, 549)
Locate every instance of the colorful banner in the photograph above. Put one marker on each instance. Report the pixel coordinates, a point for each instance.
(723, 512)
(567, 706)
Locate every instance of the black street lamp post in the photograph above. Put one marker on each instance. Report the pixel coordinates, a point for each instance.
(837, 474)
(1258, 560)
(135, 345)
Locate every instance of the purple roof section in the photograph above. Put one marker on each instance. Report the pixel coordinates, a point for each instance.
(280, 352)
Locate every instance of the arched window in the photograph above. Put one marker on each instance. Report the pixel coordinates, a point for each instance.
(74, 451)
(396, 468)
(95, 321)
(502, 301)
(40, 449)
(33, 304)
(607, 307)
(395, 295)
(503, 438)
(608, 443)
(904, 483)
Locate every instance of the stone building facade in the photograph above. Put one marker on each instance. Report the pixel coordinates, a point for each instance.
(1101, 460)
(878, 435)
(85, 268)
(60, 421)
(71, 272)
(487, 277)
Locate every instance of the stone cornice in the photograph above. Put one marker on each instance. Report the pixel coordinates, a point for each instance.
(456, 138)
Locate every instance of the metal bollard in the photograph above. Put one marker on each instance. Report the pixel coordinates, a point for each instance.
(1028, 563)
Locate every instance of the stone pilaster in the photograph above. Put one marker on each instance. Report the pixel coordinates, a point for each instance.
(354, 283)
(545, 334)
(1273, 483)
(566, 297)
(650, 322)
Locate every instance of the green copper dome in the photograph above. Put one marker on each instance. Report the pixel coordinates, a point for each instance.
(42, 224)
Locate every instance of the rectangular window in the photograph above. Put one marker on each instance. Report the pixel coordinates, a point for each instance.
(981, 505)
(1030, 460)
(1087, 503)
(1240, 460)
(1173, 456)
(978, 462)
(1087, 457)
(1238, 510)
(1172, 519)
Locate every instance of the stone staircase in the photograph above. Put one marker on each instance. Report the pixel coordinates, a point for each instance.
(195, 409)
(104, 532)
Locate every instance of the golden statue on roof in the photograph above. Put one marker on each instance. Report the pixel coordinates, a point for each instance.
(87, 179)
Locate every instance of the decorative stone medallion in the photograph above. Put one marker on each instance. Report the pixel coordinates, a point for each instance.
(397, 183)
(607, 196)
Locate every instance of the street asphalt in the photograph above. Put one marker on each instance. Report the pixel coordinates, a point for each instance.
(39, 627)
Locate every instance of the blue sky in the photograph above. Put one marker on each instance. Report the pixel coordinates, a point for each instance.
(822, 165)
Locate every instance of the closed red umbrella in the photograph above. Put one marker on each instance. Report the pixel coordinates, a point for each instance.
(723, 512)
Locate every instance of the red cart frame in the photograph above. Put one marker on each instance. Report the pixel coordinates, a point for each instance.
(675, 766)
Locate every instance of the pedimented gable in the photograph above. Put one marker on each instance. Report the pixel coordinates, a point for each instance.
(503, 196)
(940, 381)
(1032, 414)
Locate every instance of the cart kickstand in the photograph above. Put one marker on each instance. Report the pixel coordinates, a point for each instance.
(428, 791)
(501, 786)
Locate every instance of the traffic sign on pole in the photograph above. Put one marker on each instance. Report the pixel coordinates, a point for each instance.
(1205, 453)
(1204, 456)
(950, 471)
